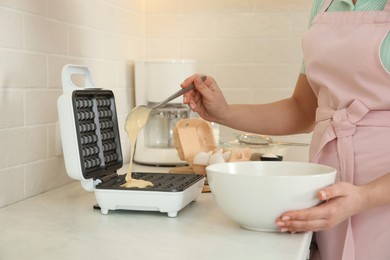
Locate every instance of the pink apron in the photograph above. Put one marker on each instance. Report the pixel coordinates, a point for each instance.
(352, 133)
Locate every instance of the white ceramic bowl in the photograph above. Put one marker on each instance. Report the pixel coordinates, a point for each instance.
(255, 193)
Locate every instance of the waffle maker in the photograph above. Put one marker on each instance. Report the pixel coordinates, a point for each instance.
(92, 153)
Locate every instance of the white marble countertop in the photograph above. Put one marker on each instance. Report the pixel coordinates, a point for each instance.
(62, 224)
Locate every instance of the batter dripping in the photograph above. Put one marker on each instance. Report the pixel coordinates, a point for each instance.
(135, 121)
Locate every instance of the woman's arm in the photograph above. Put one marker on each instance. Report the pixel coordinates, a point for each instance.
(288, 116)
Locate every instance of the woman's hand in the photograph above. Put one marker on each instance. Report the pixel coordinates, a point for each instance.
(341, 201)
(206, 99)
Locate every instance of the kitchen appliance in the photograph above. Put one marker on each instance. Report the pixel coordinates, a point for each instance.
(92, 153)
(154, 81)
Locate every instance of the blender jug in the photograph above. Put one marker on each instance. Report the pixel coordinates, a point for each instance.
(164, 119)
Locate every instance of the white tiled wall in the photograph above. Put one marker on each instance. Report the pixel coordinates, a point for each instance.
(37, 38)
(252, 47)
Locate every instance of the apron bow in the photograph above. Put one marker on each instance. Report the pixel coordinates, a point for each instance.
(341, 126)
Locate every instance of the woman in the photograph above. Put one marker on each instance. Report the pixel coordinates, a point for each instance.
(343, 96)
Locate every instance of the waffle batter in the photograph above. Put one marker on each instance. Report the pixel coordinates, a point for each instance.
(135, 121)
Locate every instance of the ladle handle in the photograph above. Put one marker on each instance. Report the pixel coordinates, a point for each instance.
(177, 94)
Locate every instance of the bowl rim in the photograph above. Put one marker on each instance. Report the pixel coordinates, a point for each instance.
(328, 170)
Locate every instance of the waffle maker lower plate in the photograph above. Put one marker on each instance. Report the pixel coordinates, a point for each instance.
(92, 153)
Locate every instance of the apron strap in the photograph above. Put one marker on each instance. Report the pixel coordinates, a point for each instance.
(326, 6)
(384, 16)
(387, 7)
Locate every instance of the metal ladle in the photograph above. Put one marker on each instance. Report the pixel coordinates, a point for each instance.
(175, 95)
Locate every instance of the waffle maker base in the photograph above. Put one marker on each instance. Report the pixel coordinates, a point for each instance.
(92, 153)
(170, 193)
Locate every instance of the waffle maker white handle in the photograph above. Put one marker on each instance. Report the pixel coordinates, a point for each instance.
(71, 69)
